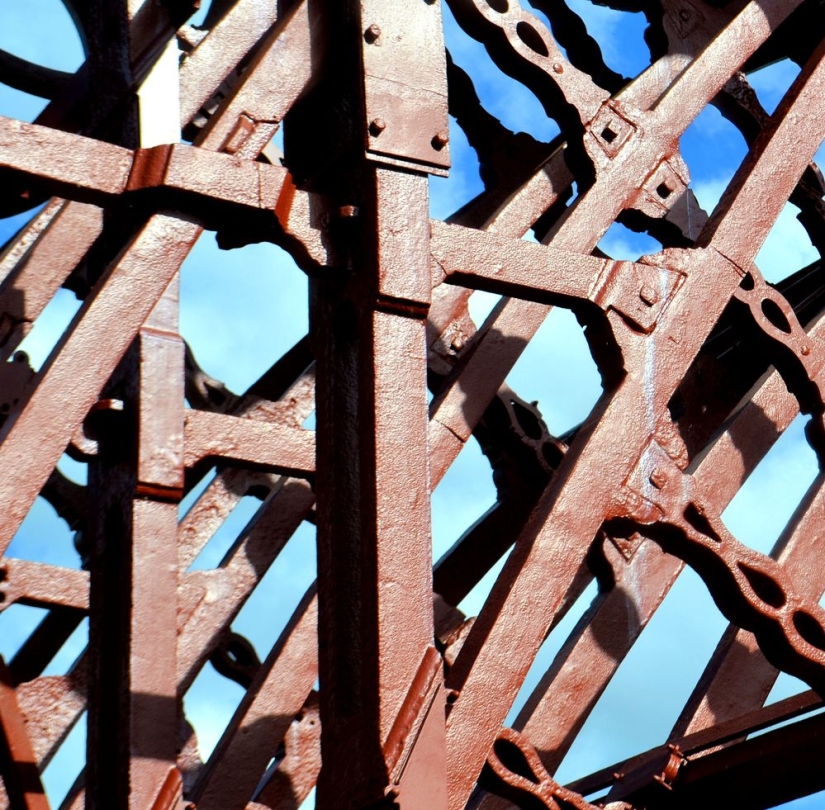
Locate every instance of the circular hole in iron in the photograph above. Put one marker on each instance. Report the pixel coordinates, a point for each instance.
(531, 38)
(552, 454)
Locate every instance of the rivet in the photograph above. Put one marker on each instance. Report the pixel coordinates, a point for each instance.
(458, 342)
(377, 126)
(347, 211)
(805, 349)
(648, 295)
(658, 479)
(440, 140)
(372, 33)
(557, 68)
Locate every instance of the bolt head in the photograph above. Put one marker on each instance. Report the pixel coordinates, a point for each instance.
(440, 140)
(649, 295)
(372, 33)
(658, 478)
(347, 211)
(377, 126)
(558, 67)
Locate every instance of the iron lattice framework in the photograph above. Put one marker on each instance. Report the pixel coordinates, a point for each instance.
(704, 365)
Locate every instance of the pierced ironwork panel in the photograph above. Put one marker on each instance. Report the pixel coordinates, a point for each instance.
(380, 692)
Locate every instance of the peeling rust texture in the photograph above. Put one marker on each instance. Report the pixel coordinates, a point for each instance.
(380, 692)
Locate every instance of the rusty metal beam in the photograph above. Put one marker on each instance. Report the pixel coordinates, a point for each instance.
(703, 363)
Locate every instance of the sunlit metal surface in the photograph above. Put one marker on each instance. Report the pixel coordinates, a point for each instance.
(704, 365)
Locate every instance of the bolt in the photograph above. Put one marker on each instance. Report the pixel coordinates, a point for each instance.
(377, 126)
(805, 350)
(347, 211)
(372, 33)
(440, 140)
(684, 14)
(658, 479)
(648, 295)
(458, 342)
(618, 776)
(557, 68)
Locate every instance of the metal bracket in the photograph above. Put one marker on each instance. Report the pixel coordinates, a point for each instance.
(611, 128)
(405, 85)
(638, 292)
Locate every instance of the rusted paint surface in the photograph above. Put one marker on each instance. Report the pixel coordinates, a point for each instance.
(412, 695)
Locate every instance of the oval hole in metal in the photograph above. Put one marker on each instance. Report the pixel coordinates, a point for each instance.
(775, 315)
(531, 38)
(763, 586)
(809, 628)
(512, 757)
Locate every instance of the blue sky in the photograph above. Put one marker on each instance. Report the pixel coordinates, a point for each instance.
(242, 309)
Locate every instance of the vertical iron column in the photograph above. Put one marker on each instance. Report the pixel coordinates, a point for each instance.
(382, 704)
(138, 482)
(133, 632)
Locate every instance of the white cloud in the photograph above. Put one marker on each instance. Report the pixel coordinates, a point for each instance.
(787, 248)
(557, 369)
(773, 81)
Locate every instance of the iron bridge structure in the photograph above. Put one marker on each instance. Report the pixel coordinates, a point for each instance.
(380, 692)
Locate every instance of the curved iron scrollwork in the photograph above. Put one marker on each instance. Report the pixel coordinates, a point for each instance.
(703, 365)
